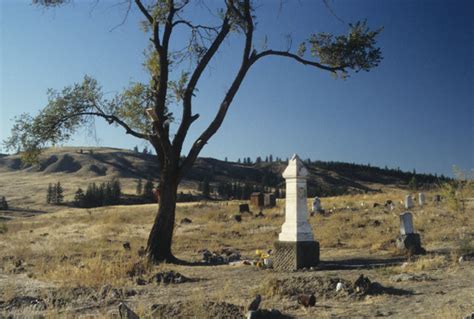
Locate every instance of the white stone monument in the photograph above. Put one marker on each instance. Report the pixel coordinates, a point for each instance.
(296, 247)
(406, 223)
(421, 199)
(409, 202)
(316, 205)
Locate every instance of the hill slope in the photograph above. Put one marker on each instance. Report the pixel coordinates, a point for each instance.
(326, 178)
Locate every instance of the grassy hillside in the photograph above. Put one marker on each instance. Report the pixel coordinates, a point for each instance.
(326, 178)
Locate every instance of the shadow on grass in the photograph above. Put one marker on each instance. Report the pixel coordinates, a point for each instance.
(360, 263)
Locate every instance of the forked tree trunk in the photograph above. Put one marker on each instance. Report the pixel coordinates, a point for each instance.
(160, 238)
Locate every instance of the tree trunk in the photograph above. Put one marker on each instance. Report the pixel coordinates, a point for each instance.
(160, 238)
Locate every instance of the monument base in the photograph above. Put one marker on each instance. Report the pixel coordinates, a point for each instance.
(289, 256)
(410, 243)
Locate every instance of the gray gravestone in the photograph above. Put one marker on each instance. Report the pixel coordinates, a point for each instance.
(421, 199)
(406, 223)
(408, 202)
(316, 205)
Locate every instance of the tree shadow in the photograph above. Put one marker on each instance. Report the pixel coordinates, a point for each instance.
(360, 263)
(378, 289)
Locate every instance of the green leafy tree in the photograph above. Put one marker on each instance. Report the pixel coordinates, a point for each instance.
(143, 109)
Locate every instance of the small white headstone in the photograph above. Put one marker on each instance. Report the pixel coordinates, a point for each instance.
(421, 199)
(316, 205)
(406, 223)
(408, 202)
(296, 226)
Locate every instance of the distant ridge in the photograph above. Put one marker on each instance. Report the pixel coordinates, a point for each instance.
(326, 178)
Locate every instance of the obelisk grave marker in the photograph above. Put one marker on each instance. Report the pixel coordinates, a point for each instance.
(296, 247)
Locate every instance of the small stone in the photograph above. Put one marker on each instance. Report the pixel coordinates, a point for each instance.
(185, 221)
(339, 286)
(141, 282)
(126, 245)
(307, 300)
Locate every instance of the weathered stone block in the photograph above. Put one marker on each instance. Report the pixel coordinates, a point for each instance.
(289, 256)
(410, 243)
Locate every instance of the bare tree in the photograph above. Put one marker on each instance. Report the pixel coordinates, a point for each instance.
(142, 110)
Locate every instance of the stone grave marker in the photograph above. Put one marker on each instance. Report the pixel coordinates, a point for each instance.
(408, 241)
(406, 223)
(421, 199)
(296, 247)
(316, 205)
(409, 202)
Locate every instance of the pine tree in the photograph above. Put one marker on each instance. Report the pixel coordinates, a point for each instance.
(116, 191)
(139, 188)
(49, 194)
(135, 149)
(148, 190)
(59, 198)
(413, 183)
(3, 203)
(206, 188)
(79, 198)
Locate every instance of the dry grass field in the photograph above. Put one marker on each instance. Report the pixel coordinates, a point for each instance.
(72, 262)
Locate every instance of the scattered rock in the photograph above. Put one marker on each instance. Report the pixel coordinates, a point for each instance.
(168, 277)
(126, 312)
(185, 221)
(126, 245)
(225, 256)
(376, 205)
(141, 282)
(340, 286)
(376, 223)
(237, 218)
(141, 252)
(307, 300)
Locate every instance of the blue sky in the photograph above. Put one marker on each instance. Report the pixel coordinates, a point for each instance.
(415, 111)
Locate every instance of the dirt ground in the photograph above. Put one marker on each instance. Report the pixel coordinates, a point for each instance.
(72, 263)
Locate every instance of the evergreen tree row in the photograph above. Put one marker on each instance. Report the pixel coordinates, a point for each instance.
(108, 193)
(3, 203)
(55, 194)
(146, 190)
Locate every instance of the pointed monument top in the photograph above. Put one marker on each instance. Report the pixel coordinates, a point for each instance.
(295, 168)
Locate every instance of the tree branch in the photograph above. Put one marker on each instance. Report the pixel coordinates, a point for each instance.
(298, 59)
(187, 117)
(144, 11)
(224, 106)
(110, 119)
